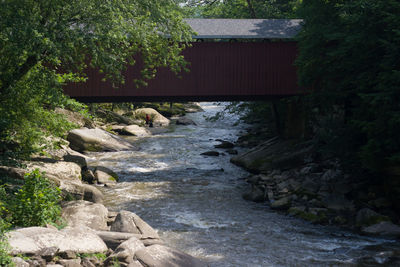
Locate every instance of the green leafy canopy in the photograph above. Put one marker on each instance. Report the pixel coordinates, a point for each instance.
(46, 43)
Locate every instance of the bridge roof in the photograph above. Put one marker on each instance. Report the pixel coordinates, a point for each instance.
(245, 28)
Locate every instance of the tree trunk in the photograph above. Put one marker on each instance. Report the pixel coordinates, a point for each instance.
(251, 9)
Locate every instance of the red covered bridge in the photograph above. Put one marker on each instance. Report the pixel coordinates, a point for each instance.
(231, 60)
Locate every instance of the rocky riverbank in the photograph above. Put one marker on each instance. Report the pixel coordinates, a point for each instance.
(295, 179)
(93, 236)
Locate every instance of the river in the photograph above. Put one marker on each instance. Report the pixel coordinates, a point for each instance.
(195, 203)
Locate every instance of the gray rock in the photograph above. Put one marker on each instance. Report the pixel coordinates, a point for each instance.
(367, 217)
(68, 254)
(151, 241)
(33, 240)
(76, 157)
(386, 229)
(272, 154)
(70, 263)
(19, 262)
(131, 246)
(114, 239)
(90, 140)
(330, 175)
(310, 186)
(88, 176)
(129, 222)
(337, 203)
(92, 215)
(104, 175)
(297, 210)
(162, 256)
(158, 119)
(135, 130)
(48, 253)
(281, 204)
(232, 151)
(256, 194)
(224, 144)
(92, 194)
(210, 153)
(58, 170)
(36, 261)
(185, 121)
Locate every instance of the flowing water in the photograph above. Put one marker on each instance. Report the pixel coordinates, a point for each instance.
(195, 204)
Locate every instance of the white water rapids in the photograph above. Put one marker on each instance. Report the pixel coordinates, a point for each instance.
(195, 204)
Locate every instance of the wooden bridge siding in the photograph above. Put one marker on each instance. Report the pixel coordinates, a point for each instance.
(217, 69)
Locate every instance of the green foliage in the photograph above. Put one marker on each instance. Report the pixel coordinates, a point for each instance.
(34, 204)
(349, 54)
(242, 9)
(5, 258)
(45, 44)
(250, 112)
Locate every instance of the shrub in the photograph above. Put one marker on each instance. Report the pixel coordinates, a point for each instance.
(5, 259)
(36, 203)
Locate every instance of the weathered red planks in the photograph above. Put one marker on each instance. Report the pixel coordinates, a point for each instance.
(218, 71)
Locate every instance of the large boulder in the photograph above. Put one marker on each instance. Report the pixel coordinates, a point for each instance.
(57, 170)
(129, 222)
(386, 229)
(74, 156)
(192, 107)
(92, 140)
(33, 240)
(81, 212)
(126, 251)
(78, 191)
(134, 130)
(158, 119)
(273, 154)
(162, 256)
(367, 217)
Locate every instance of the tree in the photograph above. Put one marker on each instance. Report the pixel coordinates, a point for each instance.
(45, 43)
(349, 54)
(244, 9)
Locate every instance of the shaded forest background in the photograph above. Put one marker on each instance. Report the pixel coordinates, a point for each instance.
(349, 54)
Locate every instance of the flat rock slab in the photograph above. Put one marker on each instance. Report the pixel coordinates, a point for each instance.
(80, 212)
(92, 140)
(135, 130)
(162, 256)
(33, 240)
(57, 170)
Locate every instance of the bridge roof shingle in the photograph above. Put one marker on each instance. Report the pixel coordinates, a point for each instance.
(245, 28)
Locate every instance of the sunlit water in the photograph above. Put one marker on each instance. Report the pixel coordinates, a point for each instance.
(195, 204)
